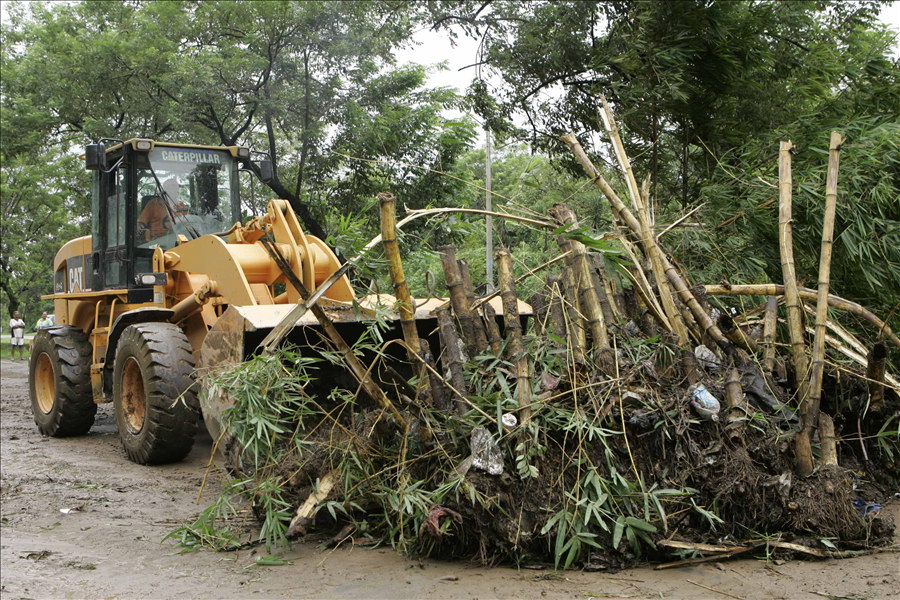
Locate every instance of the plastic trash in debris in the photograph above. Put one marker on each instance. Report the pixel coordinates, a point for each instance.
(486, 455)
(866, 508)
(704, 403)
(509, 421)
(707, 358)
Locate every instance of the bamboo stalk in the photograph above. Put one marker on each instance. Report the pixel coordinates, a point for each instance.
(818, 353)
(734, 333)
(875, 371)
(557, 319)
(802, 441)
(574, 326)
(773, 289)
(645, 231)
(690, 367)
(460, 302)
(436, 384)
(513, 329)
(827, 440)
(770, 323)
(406, 306)
(452, 356)
(643, 287)
(587, 294)
(466, 278)
(605, 290)
(538, 310)
(791, 293)
(678, 283)
(493, 331)
(734, 400)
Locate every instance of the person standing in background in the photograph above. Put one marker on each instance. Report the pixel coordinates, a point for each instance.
(44, 322)
(17, 328)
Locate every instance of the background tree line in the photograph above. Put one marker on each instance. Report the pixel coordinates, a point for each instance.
(704, 89)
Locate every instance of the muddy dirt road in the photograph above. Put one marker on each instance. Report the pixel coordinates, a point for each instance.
(80, 521)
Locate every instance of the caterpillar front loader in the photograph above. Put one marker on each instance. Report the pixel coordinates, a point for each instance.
(169, 281)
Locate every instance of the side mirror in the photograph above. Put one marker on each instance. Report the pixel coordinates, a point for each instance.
(95, 157)
(266, 171)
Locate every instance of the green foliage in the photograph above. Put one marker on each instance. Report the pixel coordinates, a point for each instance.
(301, 80)
(703, 92)
(42, 208)
(269, 400)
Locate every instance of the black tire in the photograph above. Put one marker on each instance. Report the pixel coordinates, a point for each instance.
(59, 382)
(154, 393)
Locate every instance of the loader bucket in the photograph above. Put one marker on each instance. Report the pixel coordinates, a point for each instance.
(240, 330)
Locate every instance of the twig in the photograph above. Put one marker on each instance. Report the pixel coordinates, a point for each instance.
(706, 587)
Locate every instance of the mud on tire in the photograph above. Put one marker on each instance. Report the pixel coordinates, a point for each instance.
(154, 393)
(59, 382)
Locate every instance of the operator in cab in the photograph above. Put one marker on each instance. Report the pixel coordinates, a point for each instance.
(158, 212)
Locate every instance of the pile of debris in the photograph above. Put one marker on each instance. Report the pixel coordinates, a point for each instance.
(613, 417)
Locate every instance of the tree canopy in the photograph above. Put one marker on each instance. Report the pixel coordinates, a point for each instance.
(704, 90)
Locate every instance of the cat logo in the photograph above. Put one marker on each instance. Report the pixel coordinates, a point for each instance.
(76, 279)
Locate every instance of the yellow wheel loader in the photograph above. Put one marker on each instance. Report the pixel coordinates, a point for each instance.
(169, 281)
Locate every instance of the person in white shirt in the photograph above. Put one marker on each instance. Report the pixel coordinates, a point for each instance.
(17, 328)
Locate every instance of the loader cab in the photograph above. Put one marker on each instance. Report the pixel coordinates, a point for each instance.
(148, 194)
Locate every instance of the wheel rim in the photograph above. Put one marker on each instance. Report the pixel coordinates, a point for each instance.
(134, 399)
(44, 383)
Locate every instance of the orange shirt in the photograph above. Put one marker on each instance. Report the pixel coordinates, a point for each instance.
(156, 218)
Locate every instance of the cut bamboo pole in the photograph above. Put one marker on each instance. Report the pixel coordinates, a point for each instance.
(438, 389)
(460, 302)
(538, 310)
(791, 293)
(645, 231)
(773, 289)
(734, 333)
(587, 294)
(817, 367)
(827, 440)
(734, 400)
(406, 306)
(557, 319)
(875, 371)
(574, 326)
(605, 290)
(452, 356)
(493, 331)
(513, 329)
(802, 441)
(770, 323)
(678, 283)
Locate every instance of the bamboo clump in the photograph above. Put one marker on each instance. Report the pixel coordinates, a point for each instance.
(588, 295)
(674, 278)
(644, 230)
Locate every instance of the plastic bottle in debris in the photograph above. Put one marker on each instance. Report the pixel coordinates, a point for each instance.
(705, 404)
